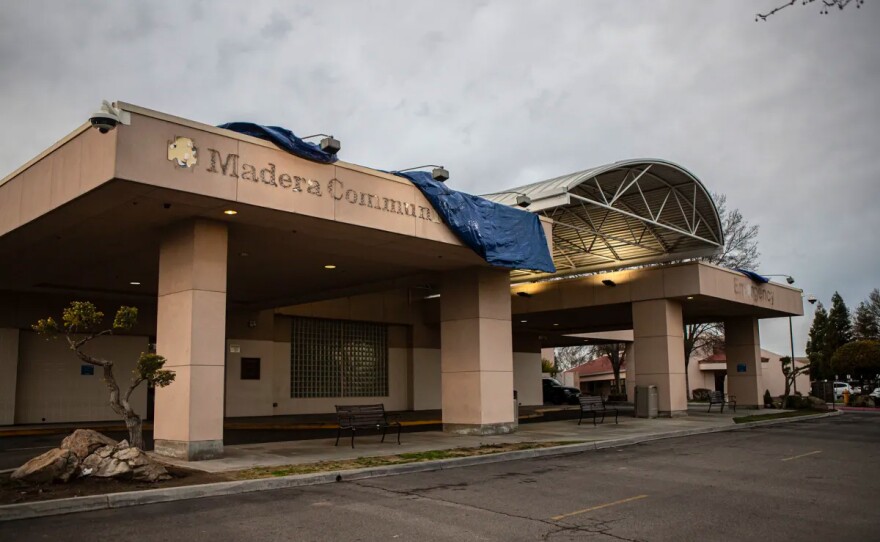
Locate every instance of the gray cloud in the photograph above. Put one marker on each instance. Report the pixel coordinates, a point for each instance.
(780, 116)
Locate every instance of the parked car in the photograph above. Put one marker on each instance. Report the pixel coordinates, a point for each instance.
(875, 394)
(840, 387)
(556, 393)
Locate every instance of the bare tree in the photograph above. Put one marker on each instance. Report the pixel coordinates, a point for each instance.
(80, 325)
(570, 356)
(700, 338)
(825, 8)
(616, 353)
(740, 248)
(790, 371)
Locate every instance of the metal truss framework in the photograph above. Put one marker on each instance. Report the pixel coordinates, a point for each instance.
(629, 213)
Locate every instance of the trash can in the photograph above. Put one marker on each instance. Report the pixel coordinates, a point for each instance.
(646, 401)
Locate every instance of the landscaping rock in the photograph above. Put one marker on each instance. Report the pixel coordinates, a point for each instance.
(123, 461)
(816, 403)
(57, 464)
(83, 442)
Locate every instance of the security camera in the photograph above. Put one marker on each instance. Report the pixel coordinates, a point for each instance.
(789, 280)
(108, 117)
(811, 299)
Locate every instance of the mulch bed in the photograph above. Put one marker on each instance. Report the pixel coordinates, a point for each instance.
(13, 493)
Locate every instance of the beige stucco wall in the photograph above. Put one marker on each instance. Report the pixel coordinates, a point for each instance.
(51, 389)
(527, 377)
(426, 378)
(250, 397)
(9, 370)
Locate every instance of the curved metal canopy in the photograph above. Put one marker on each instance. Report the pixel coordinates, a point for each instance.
(632, 212)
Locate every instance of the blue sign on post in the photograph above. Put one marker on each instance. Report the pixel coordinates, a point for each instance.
(740, 367)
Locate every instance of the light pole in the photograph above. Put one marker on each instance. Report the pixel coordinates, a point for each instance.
(789, 279)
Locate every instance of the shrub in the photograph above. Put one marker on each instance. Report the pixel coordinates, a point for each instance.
(768, 399)
(701, 394)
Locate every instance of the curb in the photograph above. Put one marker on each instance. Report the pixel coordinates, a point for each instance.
(12, 512)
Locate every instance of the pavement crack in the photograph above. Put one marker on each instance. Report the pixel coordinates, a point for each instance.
(597, 527)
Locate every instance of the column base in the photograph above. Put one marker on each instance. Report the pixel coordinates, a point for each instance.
(672, 414)
(480, 428)
(190, 450)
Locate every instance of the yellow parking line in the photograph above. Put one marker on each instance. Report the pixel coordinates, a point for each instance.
(606, 505)
(802, 455)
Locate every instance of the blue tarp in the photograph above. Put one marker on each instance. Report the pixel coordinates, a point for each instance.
(503, 236)
(760, 279)
(284, 138)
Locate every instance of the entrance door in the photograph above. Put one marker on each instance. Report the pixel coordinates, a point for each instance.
(719, 380)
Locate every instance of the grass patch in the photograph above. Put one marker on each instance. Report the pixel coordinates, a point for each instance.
(775, 415)
(397, 459)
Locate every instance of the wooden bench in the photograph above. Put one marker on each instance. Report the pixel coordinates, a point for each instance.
(360, 417)
(717, 398)
(593, 404)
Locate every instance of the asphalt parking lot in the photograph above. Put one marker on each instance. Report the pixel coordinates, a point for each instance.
(807, 480)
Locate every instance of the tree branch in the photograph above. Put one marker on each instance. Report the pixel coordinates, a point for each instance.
(824, 11)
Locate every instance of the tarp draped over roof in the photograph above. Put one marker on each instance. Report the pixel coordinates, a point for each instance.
(284, 138)
(503, 236)
(632, 212)
(760, 279)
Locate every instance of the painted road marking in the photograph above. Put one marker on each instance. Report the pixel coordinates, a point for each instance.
(606, 505)
(802, 455)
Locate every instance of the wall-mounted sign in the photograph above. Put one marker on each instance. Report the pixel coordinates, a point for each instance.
(234, 348)
(740, 367)
(86, 370)
(756, 293)
(182, 151)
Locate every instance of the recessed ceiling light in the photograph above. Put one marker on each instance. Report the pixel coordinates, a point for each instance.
(135, 283)
(230, 212)
(329, 266)
(244, 254)
(555, 324)
(690, 297)
(523, 321)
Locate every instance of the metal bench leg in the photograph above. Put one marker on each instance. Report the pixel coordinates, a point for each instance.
(581, 418)
(338, 431)
(615, 416)
(710, 407)
(722, 407)
(398, 433)
(594, 419)
(352, 437)
(384, 430)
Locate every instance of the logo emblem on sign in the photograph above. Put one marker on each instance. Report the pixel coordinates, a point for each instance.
(182, 151)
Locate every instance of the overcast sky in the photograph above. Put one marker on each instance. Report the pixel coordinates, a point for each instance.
(781, 116)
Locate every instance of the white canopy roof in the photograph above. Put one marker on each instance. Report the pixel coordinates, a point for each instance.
(631, 212)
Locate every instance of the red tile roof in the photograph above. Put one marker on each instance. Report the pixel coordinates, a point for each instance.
(596, 366)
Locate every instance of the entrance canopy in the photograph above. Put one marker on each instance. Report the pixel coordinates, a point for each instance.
(627, 213)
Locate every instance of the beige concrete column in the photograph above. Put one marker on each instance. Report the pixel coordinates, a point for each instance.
(190, 333)
(9, 370)
(476, 353)
(659, 341)
(630, 353)
(742, 346)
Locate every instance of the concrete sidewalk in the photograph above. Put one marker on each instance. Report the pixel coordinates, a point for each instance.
(239, 457)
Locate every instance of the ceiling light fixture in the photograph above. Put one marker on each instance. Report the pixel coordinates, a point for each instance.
(690, 297)
(609, 282)
(135, 283)
(524, 294)
(329, 266)
(230, 212)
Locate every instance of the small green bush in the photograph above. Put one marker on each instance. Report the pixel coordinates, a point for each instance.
(701, 394)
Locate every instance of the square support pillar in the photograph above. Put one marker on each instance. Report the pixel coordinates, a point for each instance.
(630, 357)
(190, 333)
(659, 341)
(742, 346)
(9, 369)
(476, 352)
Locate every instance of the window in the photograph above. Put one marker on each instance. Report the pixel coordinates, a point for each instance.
(336, 358)
(250, 368)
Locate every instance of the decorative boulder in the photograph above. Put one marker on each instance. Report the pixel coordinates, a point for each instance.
(56, 464)
(122, 461)
(83, 442)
